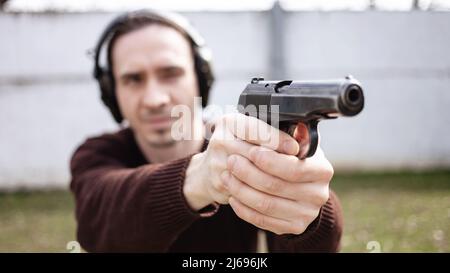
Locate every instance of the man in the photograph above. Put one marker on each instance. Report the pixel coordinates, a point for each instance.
(140, 190)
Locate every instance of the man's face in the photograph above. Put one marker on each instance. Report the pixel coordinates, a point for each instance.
(153, 69)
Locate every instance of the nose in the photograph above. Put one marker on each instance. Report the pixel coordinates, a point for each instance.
(155, 95)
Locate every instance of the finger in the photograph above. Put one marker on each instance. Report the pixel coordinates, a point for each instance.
(238, 146)
(291, 168)
(314, 194)
(258, 132)
(233, 145)
(230, 142)
(244, 170)
(266, 204)
(255, 218)
(301, 134)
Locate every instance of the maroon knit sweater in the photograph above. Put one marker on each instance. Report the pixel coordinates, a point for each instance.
(126, 204)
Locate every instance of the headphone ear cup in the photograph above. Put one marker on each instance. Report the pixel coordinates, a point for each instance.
(105, 87)
(205, 77)
(108, 95)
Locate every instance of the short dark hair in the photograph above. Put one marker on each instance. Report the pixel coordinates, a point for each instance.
(132, 24)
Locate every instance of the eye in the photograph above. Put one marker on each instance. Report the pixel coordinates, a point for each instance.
(171, 73)
(132, 78)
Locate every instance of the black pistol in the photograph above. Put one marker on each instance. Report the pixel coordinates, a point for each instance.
(309, 102)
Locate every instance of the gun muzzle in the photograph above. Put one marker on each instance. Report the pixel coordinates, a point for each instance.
(351, 102)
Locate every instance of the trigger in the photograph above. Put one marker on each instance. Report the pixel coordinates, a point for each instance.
(291, 130)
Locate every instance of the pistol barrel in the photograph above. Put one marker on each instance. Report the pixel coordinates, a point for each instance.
(303, 100)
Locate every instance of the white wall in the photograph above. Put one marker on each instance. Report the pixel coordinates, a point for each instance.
(49, 104)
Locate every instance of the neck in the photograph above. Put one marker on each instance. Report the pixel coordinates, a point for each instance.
(178, 150)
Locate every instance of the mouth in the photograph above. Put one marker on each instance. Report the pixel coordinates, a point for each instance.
(158, 123)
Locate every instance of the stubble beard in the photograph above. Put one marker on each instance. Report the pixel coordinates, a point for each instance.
(162, 141)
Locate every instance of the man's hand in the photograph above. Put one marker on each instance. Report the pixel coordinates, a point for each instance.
(278, 192)
(233, 134)
(262, 179)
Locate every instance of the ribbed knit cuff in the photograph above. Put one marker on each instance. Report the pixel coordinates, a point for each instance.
(166, 201)
(319, 229)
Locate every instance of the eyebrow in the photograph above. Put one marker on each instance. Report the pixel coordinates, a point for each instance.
(170, 68)
(126, 74)
(166, 68)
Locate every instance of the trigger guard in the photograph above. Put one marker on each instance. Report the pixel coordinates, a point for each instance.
(313, 138)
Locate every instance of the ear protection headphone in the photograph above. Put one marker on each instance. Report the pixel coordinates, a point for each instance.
(201, 54)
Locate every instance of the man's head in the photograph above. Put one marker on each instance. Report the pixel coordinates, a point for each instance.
(154, 63)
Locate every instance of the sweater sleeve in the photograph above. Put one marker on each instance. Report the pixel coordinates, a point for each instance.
(123, 209)
(322, 235)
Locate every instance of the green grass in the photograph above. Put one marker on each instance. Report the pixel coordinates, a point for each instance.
(403, 212)
(36, 221)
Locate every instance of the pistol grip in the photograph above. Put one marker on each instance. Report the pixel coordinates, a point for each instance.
(290, 127)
